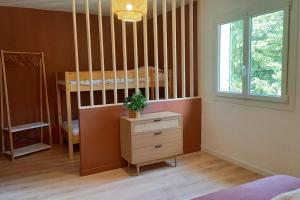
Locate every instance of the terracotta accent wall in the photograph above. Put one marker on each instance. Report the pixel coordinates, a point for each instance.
(36, 31)
(52, 32)
(100, 140)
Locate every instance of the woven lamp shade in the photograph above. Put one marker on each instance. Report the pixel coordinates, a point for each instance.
(129, 10)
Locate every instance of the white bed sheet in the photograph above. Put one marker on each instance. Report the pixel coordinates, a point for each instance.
(293, 195)
(107, 81)
(75, 127)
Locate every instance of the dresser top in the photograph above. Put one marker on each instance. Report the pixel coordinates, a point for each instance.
(152, 116)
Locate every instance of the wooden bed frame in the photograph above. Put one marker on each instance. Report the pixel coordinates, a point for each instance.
(67, 82)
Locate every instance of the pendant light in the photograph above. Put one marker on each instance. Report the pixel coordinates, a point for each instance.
(129, 10)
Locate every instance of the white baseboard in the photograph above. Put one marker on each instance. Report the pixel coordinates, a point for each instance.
(238, 162)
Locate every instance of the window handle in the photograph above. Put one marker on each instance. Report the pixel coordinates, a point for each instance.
(244, 71)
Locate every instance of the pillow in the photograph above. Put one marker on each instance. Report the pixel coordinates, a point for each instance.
(293, 195)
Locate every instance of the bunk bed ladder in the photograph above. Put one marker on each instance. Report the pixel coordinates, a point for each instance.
(36, 60)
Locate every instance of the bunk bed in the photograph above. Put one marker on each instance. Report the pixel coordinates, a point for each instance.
(67, 82)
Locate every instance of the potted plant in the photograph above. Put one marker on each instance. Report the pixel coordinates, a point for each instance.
(135, 104)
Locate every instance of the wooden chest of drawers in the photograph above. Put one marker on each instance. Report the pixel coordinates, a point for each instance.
(151, 138)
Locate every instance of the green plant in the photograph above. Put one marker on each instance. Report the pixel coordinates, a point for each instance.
(136, 102)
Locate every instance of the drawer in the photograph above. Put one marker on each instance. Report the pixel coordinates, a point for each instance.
(157, 125)
(155, 152)
(160, 137)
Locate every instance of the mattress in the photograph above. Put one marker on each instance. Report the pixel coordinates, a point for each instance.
(107, 81)
(75, 127)
(263, 189)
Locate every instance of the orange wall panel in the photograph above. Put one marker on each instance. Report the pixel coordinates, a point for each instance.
(99, 132)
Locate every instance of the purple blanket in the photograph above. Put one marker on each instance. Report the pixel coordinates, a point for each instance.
(263, 189)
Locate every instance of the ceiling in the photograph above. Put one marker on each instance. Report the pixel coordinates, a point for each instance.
(66, 5)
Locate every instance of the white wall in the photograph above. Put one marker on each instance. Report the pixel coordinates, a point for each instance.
(265, 140)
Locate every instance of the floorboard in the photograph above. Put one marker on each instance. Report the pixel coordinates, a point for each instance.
(51, 175)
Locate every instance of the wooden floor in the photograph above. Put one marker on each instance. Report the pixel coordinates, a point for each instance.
(51, 175)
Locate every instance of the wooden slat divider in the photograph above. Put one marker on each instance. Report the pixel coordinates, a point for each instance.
(90, 60)
(174, 48)
(155, 49)
(101, 51)
(165, 44)
(76, 52)
(183, 84)
(169, 76)
(191, 32)
(113, 44)
(199, 22)
(125, 56)
(146, 56)
(136, 61)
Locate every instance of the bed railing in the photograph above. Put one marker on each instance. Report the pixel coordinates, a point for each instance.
(69, 80)
(130, 74)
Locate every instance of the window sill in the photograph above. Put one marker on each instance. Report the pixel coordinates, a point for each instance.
(283, 105)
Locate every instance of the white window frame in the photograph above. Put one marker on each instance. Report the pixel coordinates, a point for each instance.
(246, 16)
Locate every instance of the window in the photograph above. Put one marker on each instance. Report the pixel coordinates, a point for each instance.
(266, 55)
(252, 60)
(231, 57)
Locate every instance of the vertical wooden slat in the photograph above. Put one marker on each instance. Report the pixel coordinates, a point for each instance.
(90, 61)
(152, 85)
(174, 48)
(165, 44)
(136, 58)
(76, 52)
(101, 51)
(155, 49)
(199, 28)
(183, 84)
(113, 44)
(146, 56)
(125, 56)
(191, 48)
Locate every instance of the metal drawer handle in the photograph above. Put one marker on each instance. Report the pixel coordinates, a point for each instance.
(157, 120)
(157, 146)
(158, 133)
